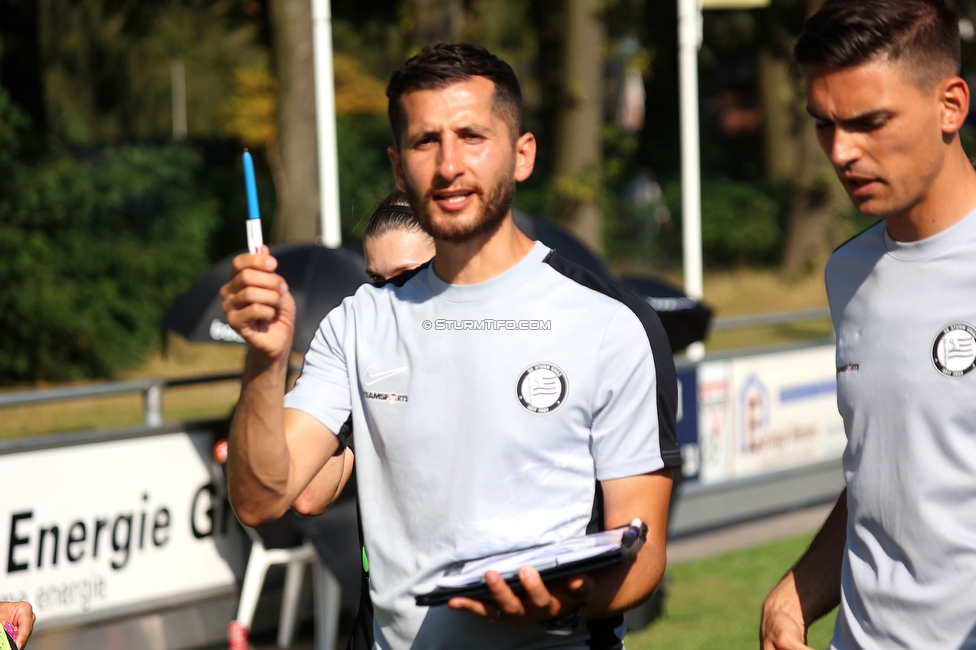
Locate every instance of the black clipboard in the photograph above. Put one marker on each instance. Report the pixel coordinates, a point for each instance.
(631, 541)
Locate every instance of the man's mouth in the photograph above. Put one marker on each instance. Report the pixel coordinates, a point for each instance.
(861, 186)
(454, 200)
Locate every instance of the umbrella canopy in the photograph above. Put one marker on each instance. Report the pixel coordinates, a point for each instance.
(318, 277)
(685, 320)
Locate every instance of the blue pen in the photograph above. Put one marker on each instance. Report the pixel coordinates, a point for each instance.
(255, 240)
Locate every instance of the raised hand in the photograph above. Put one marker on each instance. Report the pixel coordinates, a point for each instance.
(258, 304)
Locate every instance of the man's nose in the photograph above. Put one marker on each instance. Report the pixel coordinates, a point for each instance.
(844, 148)
(449, 163)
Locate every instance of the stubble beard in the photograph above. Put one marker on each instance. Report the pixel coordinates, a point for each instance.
(494, 208)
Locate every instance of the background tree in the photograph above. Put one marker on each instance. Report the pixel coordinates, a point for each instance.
(437, 21)
(578, 156)
(296, 186)
(819, 202)
(20, 57)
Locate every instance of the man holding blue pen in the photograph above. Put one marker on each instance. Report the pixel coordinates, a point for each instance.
(500, 396)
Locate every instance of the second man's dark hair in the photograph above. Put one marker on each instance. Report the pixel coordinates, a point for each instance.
(845, 33)
(445, 64)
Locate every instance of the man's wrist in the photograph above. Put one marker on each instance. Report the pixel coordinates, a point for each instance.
(258, 363)
(785, 599)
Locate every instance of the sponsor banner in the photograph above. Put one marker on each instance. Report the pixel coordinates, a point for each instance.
(114, 524)
(767, 413)
(784, 410)
(715, 433)
(687, 420)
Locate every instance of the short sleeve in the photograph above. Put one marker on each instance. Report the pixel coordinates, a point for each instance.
(322, 390)
(628, 435)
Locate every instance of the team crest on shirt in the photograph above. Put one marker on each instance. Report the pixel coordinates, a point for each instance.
(954, 352)
(542, 388)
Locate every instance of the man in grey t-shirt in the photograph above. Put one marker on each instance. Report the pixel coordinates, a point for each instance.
(898, 552)
(500, 396)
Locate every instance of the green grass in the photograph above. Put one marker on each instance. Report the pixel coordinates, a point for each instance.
(714, 603)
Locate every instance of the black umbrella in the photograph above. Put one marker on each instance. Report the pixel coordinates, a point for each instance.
(685, 320)
(318, 277)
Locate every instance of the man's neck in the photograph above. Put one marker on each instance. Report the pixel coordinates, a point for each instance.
(483, 257)
(949, 199)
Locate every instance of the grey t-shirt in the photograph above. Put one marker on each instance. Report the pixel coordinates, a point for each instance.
(483, 415)
(904, 314)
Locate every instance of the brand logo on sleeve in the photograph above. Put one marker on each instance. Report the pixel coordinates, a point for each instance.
(954, 352)
(542, 388)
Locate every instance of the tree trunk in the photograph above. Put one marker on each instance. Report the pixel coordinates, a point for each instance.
(579, 153)
(819, 198)
(779, 112)
(21, 70)
(437, 21)
(296, 185)
(818, 201)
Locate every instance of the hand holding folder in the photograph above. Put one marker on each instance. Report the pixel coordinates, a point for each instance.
(552, 561)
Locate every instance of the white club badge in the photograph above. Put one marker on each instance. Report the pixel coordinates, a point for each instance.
(542, 388)
(954, 351)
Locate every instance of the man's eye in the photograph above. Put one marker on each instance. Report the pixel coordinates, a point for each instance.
(376, 279)
(823, 125)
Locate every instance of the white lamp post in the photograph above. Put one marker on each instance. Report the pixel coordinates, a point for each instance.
(689, 41)
(325, 123)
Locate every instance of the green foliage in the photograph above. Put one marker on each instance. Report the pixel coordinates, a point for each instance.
(108, 63)
(365, 175)
(742, 223)
(91, 254)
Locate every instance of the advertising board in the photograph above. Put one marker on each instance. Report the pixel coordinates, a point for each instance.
(110, 525)
(687, 422)
(768, 412)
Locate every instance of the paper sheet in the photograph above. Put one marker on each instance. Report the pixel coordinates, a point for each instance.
(541, 557)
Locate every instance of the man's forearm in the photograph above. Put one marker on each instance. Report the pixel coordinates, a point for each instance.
(619, 588)
(259, 461)
(811, 589)
(325, 488)
(622, 587)
(817, 574)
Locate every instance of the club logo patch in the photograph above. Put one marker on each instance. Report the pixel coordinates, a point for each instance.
(954, 352)
(542, 388)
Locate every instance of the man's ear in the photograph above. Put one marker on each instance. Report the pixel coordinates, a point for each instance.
(525, 149)
(397, 164)
(954, 96)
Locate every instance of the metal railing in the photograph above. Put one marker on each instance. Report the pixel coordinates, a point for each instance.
(773, 318)
(151, 389)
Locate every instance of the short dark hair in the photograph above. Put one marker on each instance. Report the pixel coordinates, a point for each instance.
(392, 213)
(438, 66)
(845, 33)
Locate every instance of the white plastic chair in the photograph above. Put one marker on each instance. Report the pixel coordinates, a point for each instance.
(326, 588)
(295, 560)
